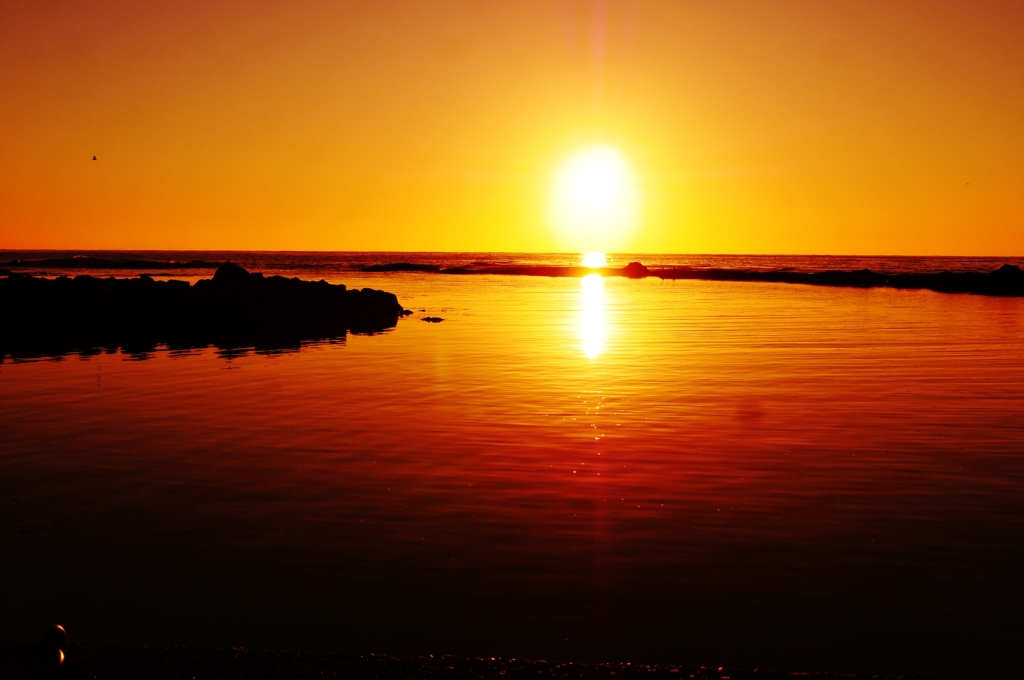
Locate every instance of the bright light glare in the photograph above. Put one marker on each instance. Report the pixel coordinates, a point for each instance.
(594, 202)
(594, 260)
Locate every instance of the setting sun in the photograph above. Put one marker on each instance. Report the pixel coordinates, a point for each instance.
(594, 202)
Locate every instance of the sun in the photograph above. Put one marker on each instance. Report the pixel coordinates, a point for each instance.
(594, 201)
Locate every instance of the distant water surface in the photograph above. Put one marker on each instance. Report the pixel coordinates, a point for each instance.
(745, 474)
(338, 263)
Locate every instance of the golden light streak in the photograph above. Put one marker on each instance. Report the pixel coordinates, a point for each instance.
(593, 315)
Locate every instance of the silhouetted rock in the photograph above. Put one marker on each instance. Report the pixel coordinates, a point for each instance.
(233, 309)
(1008, 280)
(521, 270)
(433, 319)
(635, 270)
(231, 273)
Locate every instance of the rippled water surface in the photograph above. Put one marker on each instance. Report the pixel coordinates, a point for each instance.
(732, 473)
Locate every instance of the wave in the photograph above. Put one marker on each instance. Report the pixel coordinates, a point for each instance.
(87, 262)
(401, 267)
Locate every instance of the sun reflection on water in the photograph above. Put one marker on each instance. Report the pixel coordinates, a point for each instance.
(593, 315)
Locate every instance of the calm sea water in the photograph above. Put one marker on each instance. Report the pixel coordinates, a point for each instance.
(743, 474)
(329, 264)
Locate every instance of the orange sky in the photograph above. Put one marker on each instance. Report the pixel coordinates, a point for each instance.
(767, 127)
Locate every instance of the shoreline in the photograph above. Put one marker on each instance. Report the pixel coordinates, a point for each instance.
(116, 662)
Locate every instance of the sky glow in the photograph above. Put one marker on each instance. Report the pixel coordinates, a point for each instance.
(841, 127)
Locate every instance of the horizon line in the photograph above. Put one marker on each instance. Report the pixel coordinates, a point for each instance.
(489, 252)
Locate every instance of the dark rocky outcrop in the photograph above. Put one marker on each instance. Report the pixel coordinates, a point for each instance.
(234, 309)
(1008, 280)
(635, 270)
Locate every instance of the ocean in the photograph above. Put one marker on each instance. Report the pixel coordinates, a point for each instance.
(332, 264)
(742, 474)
